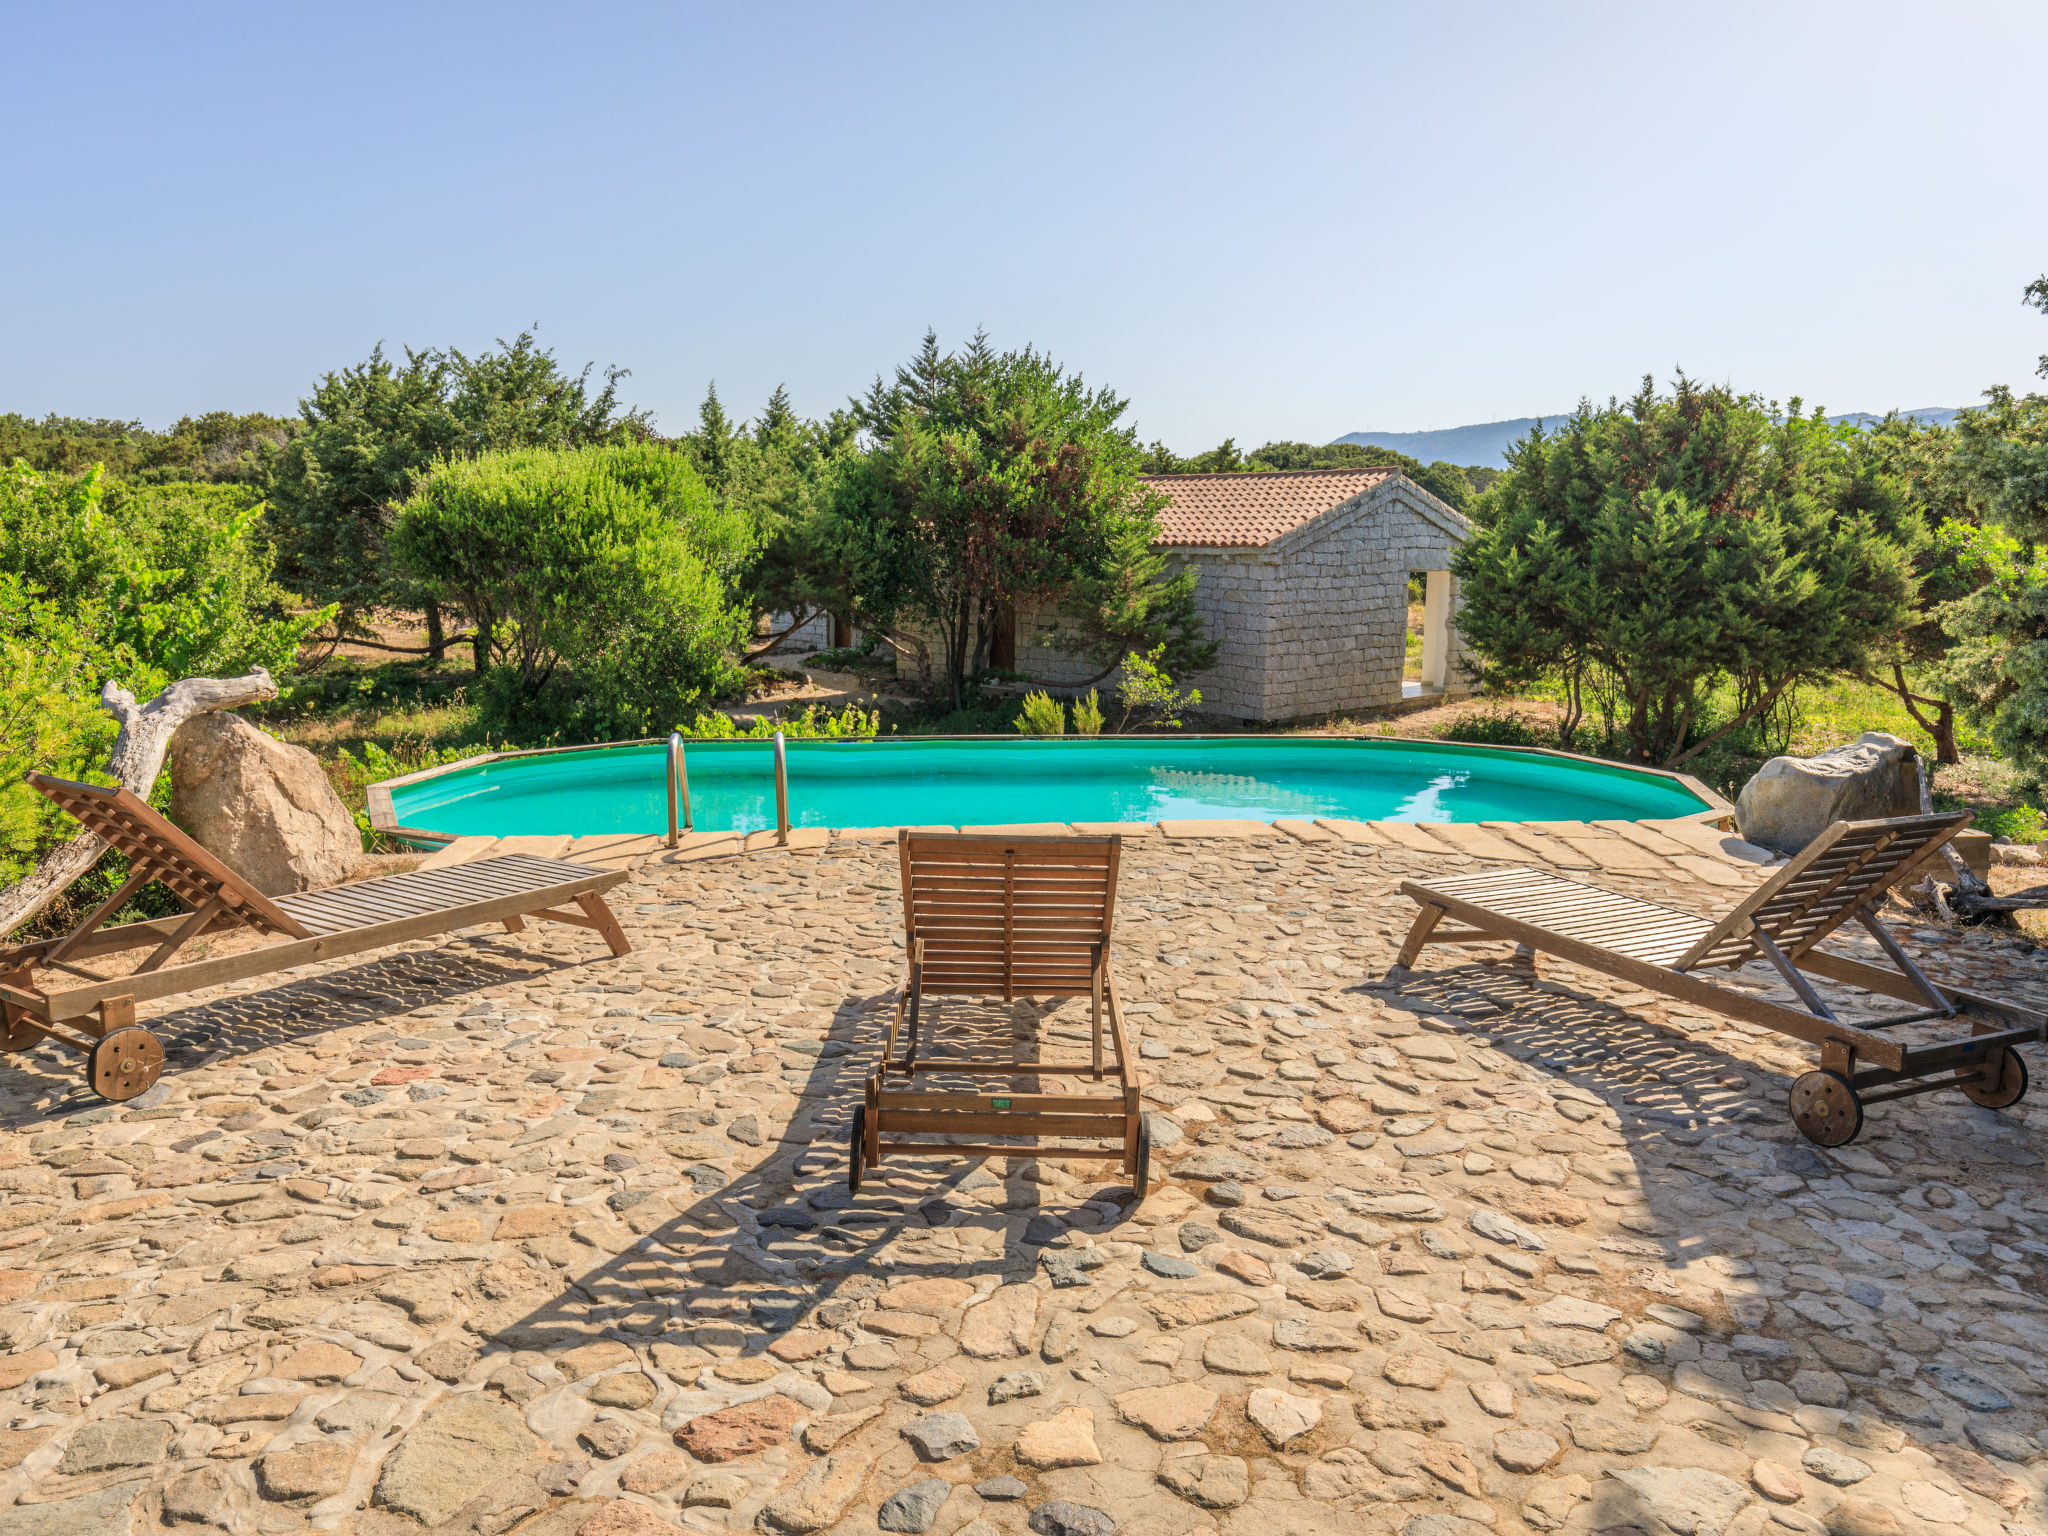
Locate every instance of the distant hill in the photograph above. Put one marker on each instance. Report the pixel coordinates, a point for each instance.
(1487, 442)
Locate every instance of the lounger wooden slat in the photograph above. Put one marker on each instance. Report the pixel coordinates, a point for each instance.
(1007, 917)
(97, 1017)
(1840, 877)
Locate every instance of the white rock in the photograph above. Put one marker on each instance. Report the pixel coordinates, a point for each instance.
(1281, 1416)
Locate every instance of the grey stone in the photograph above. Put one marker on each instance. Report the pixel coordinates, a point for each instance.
(1062, 1339)
(1169, 1267)
(2005, 1444)
(1834, 1467)
(942, 1436)
(1197, 1235)
(1068, 1267)
(1689, 1501)
(1494, 1227)
(1967, 1388)
(913, 1509)
(1228, 1193)
(1008, 1388)
(1790, 801)
(999, 1490)
(107, 1445)
(461, 1447)
(106, 1512)
(1063, 1517)
(1213, 1482)
(1213, 1164)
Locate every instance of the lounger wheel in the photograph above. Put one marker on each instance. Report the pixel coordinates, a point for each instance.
(856, 1148)
(1144, 1176)
(2003, 1080)
(123, 1063)
(1826, 1109)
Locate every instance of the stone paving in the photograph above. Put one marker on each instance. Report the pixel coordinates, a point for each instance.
(499, 1234)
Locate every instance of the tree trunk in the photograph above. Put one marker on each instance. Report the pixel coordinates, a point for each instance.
(480, 645)
(437, 636)
(137, 758)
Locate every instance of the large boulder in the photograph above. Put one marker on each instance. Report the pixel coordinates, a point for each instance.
(262, 807)
(1792, 800)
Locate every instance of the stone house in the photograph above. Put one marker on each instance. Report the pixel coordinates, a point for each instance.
(1305, 590)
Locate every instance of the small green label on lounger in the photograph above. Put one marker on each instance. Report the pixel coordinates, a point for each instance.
(999, 1103)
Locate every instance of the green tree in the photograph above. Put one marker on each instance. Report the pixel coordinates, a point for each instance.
(994, 479)
(606, 574)
(50, 665)
(219, 446)
(1665, 546)
(1134, 603)
(777, 472)
(1998, 471)
(368, 432)
(172, 580)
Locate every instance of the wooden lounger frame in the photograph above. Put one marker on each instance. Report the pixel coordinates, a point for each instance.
(1005, 917)
(1842, 876)
(310, 926)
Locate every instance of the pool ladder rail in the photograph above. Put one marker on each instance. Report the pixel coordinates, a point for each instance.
(679, 790)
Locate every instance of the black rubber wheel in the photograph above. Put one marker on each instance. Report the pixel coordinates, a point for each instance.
(2004, 1082)
(1144, 1177)
(1826, 1109)
(855, 1149)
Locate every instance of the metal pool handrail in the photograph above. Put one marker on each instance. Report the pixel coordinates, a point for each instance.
(678, 784)
(781, 794)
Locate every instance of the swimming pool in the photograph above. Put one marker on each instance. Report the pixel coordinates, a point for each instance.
(954, 781)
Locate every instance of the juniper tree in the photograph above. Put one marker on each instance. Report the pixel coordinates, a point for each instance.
(1671, 544)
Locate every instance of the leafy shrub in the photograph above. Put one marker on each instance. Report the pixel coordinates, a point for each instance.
(1666, 545)
(813, 721)
(1148, 694)
(1493, 728)
(601, 577)
(1042, 715)
(173, 580)
(352, 777)
(1088, 715)
(2020, 823)
(49, 721)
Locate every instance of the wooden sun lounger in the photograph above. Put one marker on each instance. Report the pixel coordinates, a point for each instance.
(1005, 917)
(95, 1014)
(1843, 875)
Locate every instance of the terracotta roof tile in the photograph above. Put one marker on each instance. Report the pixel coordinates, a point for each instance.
(1252, 509)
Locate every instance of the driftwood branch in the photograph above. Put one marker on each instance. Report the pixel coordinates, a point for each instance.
(137, 758)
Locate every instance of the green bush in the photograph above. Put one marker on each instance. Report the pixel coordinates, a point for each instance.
(173, 580)
(1494, 728)
(1088, 715)
(1148, 695)
(601, 577)
(813, 721)
(49, 721)
(1651, 551)
(1042, 715)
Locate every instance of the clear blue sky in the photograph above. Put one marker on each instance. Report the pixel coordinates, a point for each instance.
(1260, 220)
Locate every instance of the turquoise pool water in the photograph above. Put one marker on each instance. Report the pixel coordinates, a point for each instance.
(965, 783)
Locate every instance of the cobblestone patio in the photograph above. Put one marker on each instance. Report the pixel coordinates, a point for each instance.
(501, 1234)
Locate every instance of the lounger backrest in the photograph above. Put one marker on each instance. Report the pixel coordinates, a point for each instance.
(128, 824)
(1015, 916)
(1850, 864)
